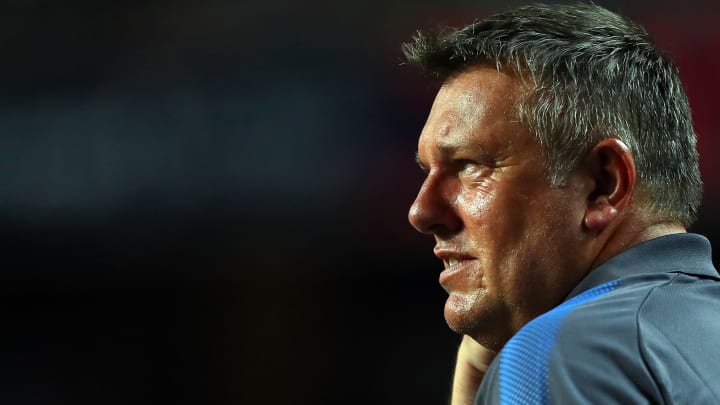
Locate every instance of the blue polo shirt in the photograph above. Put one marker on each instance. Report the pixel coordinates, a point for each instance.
(644, 327)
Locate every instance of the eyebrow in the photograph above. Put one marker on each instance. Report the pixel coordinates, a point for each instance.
(446, 151)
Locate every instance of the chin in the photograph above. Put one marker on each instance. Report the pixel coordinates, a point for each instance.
(461, 314)
(468, 317)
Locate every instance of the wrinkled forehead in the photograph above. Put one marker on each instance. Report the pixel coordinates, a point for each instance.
(476, 109)
(478, 97)
(482, 85)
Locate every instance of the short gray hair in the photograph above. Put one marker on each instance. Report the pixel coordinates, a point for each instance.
(594, 75)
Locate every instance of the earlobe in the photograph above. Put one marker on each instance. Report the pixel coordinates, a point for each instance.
(612, 168)
(600, 215)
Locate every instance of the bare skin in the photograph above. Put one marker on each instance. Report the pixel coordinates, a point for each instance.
(513, 245)
(473, 360)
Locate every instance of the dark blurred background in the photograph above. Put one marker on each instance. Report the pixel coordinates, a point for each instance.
(205, 202)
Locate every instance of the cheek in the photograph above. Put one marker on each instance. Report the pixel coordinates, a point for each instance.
(500, 229)
(554, 234)
(499, 223)
(475, 203)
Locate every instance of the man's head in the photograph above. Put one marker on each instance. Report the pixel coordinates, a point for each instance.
(591, 74)
(560, 137)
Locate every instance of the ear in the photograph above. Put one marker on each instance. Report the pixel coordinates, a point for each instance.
(612, 169)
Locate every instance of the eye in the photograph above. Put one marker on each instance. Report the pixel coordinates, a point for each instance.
(462, 165)
(471, 170)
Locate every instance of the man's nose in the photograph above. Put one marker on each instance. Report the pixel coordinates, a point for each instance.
(433, 210)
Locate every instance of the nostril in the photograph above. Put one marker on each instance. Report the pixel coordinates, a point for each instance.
(433, 212)
(433, 215)
(427, 215)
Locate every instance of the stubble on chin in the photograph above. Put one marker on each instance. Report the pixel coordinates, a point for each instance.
(471, 314)
(464, 311)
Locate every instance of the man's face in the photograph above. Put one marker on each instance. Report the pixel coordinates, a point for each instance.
(510, 243)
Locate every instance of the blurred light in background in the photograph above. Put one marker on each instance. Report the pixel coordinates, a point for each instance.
(205, 202)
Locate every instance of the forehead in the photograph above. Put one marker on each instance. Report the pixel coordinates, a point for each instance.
(476, 109)
(481, 86)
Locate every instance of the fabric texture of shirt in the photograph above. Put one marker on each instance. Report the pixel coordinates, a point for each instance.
(644, 327)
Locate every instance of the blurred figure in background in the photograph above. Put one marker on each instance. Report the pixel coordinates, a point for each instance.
(562, 174)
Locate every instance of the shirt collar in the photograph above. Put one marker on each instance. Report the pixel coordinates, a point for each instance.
(687, 253)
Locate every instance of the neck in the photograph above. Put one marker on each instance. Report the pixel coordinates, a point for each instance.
(632, 233)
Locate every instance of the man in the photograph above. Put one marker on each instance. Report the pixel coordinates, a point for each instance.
(562, 174)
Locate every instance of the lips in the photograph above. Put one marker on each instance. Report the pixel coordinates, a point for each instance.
(451, 258)
(454, 271)
(456, 263)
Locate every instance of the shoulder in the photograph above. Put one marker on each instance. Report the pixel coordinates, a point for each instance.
(556, 355)
(678, 337)
(596, 355)
(632, 344)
